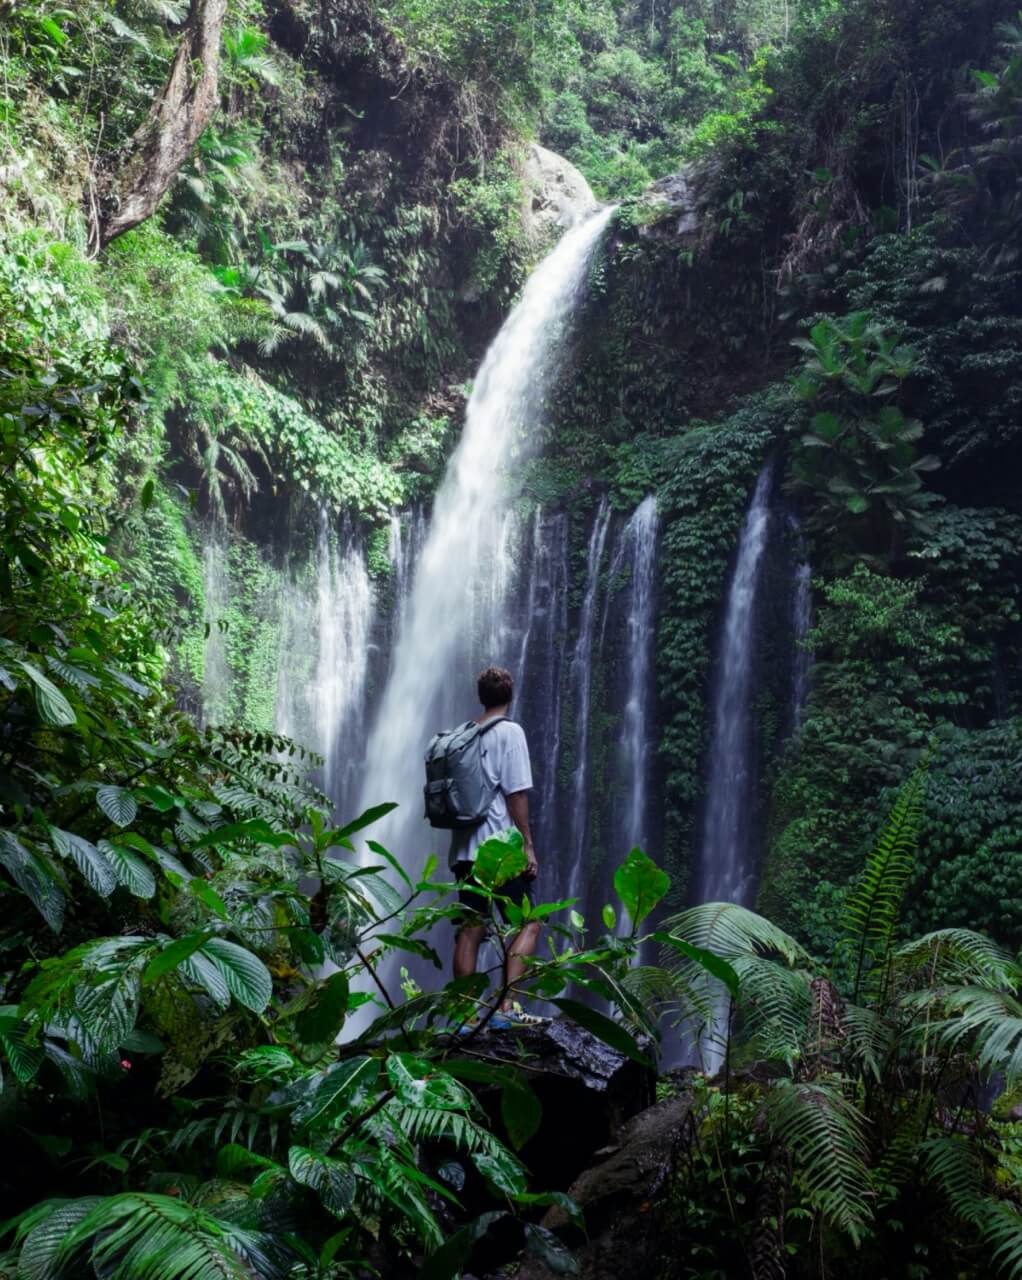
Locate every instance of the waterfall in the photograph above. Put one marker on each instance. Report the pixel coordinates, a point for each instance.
(581, 688)
(216, 674)
(726, 865)
(456, 604)
(327, 611)
(344, 606)
(801, 624)
(634, 745)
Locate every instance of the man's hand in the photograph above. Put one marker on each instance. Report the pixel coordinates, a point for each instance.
(532, 869)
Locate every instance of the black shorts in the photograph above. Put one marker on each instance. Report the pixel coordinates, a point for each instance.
(479, 905)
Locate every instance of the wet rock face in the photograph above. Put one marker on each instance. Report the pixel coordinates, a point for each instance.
(615, 1193)
(587, 1091)
(556, 194)
(679, 198)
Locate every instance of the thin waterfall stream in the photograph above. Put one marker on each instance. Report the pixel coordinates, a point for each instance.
(726, 868)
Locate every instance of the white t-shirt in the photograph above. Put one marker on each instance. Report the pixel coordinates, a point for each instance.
(506, 764)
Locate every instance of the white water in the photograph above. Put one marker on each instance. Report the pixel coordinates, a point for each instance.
(580, 683)
(454, 622)
(634, 747)
(726, 870)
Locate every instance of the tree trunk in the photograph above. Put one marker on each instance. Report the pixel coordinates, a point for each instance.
(128, 194)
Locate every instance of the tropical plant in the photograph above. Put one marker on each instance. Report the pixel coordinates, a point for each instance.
(879, 1067)
(859, 459)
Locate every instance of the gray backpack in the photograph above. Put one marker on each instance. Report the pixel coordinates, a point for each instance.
(457, 791)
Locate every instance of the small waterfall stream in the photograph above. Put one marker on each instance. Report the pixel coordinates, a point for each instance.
(580, 684)
(634, 745)
(726, 867)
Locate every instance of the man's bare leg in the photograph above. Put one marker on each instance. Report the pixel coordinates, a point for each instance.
(524, 944)
(466, 949)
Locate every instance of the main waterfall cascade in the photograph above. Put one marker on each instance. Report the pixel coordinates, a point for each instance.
(368, 670)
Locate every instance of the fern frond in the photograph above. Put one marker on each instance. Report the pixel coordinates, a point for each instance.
(731, 930)
(868, 1039)
(140, 1234)
(952, 1166)
(824, 1133)
(958, 957)
(872, 908)
(991, 1023)
(773, 1009)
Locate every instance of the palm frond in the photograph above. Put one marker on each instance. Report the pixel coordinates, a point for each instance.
(825, 1135)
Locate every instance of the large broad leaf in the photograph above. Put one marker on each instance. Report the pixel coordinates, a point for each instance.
(107, 1010)
(640, 884)
(51, 704)
(87, 858)
(247, 978)
(332, 1180)
(500, 1168)
(612, 1033)
(177, 952)
(521, 1111)
(130, 870)
(332, 1092)
(118, 805)
(321, 1020)
(500, 859)
(707, 960)
(34, 878)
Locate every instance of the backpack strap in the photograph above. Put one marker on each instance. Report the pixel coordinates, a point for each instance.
(492, 723)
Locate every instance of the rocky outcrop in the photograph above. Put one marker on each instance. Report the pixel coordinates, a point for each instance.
(556, 194)
(676, 205)
(616, 1194)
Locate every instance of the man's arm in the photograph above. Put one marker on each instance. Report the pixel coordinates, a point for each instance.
(518, 808)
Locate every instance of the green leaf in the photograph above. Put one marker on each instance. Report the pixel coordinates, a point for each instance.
(500, 1168)
(609, 918)
(332, 1180)
(254, 829)
(130, 870)
(452, 1255)
(247, 978)
(414, 946)
(640, 884)
(172, 955)
(321, 1020)
(365, 820)
(55, 33)
(118, 805)
(707, 960)
(424, 1084)
(544, 1245)
(51, 704)
(336, 1086)
(612, 1033)
(500, 858)
(381, 852)
(521, 1111)
(207, 894)
(87, 858)
(148, 493)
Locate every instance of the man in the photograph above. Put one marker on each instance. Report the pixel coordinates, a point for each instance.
(506, 764)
